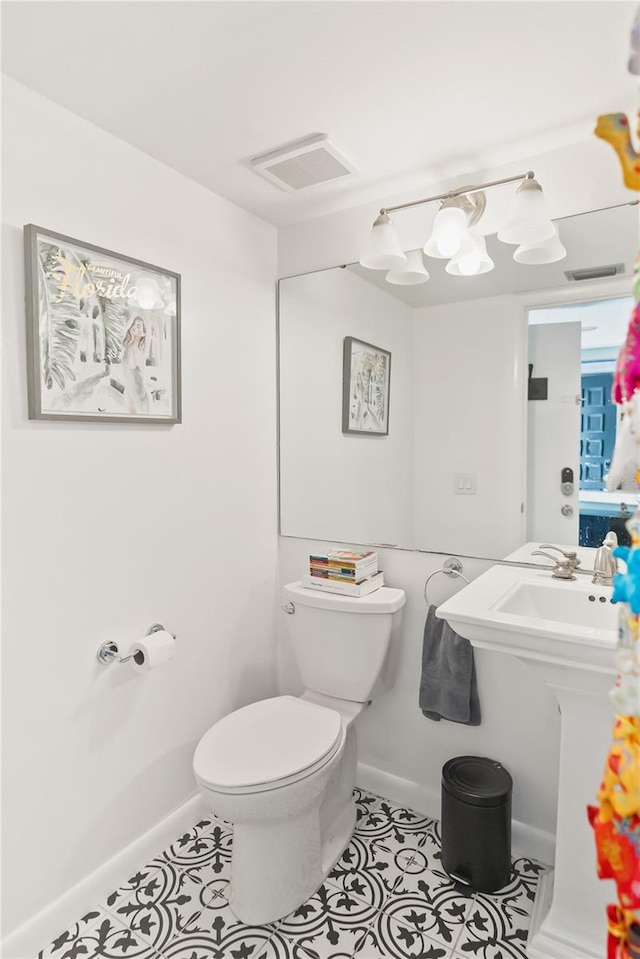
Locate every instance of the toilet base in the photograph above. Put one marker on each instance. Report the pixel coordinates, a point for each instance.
(340, 837)
(277, 864)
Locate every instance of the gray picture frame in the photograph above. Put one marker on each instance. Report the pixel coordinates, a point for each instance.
(108, 367)
(366, 387)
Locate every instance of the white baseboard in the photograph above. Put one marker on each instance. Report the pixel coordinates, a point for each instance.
(401, 791)
(551, 944)
(541, 904)
(525, 840)
(546, 941)
(26, 941)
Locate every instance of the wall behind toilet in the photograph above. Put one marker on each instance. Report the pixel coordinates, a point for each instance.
(109, 527)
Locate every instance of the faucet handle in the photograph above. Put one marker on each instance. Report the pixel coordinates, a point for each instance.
(562, 568)
(569, 554)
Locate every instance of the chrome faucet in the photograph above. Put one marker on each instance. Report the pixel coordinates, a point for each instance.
(564, 565)
(570, 554)
(605, 565)
(562, 568)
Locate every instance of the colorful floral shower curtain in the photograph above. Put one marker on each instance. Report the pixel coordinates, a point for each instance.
(616, 818)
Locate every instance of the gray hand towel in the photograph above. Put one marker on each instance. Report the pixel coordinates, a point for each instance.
(448, 687)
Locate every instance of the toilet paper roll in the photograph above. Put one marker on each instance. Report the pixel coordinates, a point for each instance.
(154, 650)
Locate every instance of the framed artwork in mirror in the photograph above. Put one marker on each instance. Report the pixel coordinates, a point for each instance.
(366, 380)
(103, 333)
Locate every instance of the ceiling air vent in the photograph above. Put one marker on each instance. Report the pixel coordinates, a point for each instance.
(302, 164)
(595, 272)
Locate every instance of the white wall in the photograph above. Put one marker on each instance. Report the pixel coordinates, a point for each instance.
(345, 485)
(93, 756)
(401, 754)
(469, 419)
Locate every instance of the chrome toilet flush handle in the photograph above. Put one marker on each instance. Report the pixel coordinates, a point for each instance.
(289, 608)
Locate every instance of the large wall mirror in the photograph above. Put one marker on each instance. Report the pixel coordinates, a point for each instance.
(498, 383)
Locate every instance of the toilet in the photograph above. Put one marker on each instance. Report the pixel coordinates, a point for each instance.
(283, 770)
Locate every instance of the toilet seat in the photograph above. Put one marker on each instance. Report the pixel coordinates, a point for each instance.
(268, 744)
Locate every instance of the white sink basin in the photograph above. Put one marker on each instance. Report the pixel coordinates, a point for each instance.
(527, 613)
(584, 607)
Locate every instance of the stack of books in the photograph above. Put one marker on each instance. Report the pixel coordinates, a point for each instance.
(344, 571)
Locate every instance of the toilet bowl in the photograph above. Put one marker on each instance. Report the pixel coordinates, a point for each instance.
(266, 769)
(282, 770)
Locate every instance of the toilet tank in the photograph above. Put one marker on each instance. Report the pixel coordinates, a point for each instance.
(345, 647)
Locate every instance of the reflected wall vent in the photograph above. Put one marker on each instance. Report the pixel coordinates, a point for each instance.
(302, 164)
(595, 272)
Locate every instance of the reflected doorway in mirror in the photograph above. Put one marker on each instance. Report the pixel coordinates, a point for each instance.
(365, 388)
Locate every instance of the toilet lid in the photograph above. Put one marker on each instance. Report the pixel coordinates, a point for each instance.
(267, 741)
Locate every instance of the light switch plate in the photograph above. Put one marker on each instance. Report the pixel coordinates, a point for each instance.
(464, 484)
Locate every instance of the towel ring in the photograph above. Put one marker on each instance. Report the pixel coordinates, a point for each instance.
(450, 567)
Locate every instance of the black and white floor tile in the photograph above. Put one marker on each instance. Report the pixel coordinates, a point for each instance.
(387, 897)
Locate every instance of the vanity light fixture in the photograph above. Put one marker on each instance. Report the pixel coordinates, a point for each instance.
(411, 272)
(548, 251)
(473, 260)
(452, 238)
(384, 251)
(528, 221)
(449, 232)
(451, 235)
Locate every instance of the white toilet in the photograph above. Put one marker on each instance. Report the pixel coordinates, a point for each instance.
(283, 770)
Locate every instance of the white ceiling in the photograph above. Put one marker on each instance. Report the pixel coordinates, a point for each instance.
(409, 92)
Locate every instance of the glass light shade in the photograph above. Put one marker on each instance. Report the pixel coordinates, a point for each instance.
(413, 272)
(472, 260)
(383, 251)
(535, 254)
(449, 229)
(528, 221)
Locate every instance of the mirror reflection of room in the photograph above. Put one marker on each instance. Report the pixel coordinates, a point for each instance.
(471, 464)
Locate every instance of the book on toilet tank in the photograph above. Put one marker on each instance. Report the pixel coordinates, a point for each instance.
(345, 564)
(342, 575)
(346, 556)
(363, 588)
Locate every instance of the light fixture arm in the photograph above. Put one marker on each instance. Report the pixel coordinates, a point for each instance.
(463, 191)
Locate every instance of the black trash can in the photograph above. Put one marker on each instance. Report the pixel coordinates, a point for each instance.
(476, 822)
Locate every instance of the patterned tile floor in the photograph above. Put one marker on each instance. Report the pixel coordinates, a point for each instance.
(388, 896)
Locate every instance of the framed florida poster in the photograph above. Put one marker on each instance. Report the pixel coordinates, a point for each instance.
(103, 333)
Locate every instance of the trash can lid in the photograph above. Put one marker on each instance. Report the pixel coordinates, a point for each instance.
(477, 780)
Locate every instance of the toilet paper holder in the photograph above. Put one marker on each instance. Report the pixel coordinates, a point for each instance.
(109, 652)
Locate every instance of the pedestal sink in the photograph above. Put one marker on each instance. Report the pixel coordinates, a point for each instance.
(566, 630)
